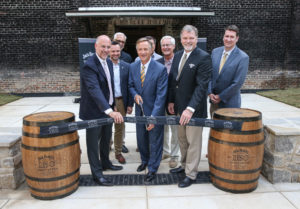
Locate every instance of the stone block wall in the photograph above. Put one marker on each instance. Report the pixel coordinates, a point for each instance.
(282, 155)
(37, 38)
(11, 169)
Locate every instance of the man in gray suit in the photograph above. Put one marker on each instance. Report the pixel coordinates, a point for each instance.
(230, 67)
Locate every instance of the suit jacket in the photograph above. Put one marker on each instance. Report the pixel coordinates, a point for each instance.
(124, 77)
(228, 83)
(162, 61)
(94, 89)
(154, 91)
(191, 87)
(125, 57)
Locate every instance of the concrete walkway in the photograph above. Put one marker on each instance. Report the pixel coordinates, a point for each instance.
(267, 195)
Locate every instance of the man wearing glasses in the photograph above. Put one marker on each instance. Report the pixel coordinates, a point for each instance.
(121, 39)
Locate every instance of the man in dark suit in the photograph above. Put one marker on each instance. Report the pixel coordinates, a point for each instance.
(97, 101)
(148, 81)
(171, 145)
(123, 98)
(121, 39)
(230, 67)
(190, 74)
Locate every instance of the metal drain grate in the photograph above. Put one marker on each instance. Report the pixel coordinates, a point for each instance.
(138, 179)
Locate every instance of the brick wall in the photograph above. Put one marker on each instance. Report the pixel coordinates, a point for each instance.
(39, 44)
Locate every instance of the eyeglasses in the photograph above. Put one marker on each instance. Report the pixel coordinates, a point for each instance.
(120, 41)
(165, 45)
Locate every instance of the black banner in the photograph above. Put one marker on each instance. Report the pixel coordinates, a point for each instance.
(158, 120)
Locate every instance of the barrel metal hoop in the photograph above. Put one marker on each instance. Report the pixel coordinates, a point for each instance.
(54, 197)
(61, 146)
(51, 179)
(50, 123)
(235, 191)
(55, 189)
(241, 119)
(234, 181)
(257, 131)
(235, 171)
(238, 144)
(45, 136)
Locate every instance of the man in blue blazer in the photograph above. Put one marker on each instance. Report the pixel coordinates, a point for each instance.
(97, 101)
(148, 82)
(230, 67)
(190, 74)
(123, 98)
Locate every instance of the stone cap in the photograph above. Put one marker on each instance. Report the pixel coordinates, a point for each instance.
(283, 131)
(9, 140)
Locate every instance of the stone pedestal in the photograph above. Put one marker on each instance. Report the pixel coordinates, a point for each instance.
(11, 169)
(282, 154)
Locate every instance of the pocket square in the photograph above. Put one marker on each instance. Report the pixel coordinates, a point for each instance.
(192, 65)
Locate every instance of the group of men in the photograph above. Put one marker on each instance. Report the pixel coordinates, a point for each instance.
(172, 84)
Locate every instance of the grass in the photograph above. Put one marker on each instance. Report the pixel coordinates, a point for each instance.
(7, 98)
(287, 96)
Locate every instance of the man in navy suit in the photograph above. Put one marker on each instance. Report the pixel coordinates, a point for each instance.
(148, 82)
(123, 98)
(190, 74)
(97, 101)
(230, 67)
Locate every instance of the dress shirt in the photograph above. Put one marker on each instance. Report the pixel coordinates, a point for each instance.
(228, 54)
(168, 64)
(117, 80)
(109, 110)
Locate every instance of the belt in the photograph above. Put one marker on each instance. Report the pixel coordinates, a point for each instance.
(119, 97)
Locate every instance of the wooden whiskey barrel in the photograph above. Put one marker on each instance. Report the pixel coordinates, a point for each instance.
(51, 163)
(235, 157)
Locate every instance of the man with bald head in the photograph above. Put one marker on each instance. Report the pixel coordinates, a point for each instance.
(97, 101)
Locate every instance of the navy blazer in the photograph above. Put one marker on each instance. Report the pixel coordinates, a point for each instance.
(124, 77)
(228, 83)
(94, 89)
(126, 57)
(154, 91)
(191, 87)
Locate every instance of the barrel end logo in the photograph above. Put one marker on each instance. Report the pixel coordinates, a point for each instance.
(46, 163)
(228, 125)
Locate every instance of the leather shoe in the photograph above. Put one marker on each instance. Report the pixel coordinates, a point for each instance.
(141, 167)
(120, 158)
(113, 168)
(124, 149)
(150, 176)
(186, 182)
(177, 170)
(103, 181)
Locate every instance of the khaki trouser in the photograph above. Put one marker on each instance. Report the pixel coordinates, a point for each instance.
(190, 142)
(119, 128)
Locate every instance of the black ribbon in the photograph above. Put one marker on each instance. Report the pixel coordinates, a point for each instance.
(157, 120)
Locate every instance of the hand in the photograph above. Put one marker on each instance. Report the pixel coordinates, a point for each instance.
(218, 99)
(138, 99)
(150, 127)
(118, 118)
(171, 108)
(129, 110)
(214, 98)
(185, 117)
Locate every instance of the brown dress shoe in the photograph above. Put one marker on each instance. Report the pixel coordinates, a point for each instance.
(120, 158)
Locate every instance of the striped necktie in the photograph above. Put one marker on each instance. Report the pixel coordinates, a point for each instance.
(181, 65)
(143, 75)
(224, 58)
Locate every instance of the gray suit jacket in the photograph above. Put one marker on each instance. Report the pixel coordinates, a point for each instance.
(228, 83)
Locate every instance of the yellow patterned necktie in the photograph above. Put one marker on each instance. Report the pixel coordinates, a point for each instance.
(181, 65)
(143, 75)
(223, 62)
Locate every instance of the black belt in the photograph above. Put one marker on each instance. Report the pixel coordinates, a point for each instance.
(119, 97)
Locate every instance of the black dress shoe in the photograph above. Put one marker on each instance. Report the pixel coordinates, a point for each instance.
(186, 182)
(141, 167)
(124, 149)
(150, 176)
(113, 167)
(177, 170)
(103, 181)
